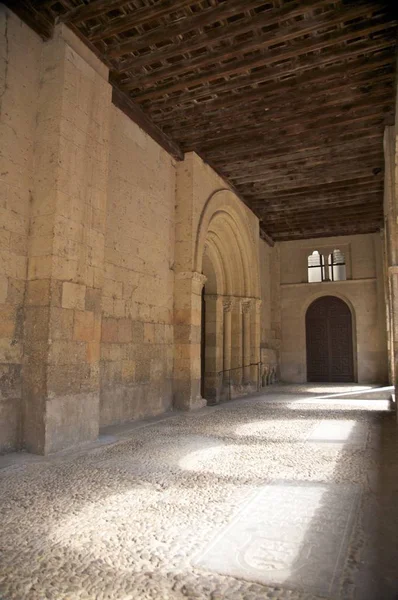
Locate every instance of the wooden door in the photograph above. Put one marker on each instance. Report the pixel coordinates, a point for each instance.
(328, 324)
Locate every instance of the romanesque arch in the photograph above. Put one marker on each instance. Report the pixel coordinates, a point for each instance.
(226, 253)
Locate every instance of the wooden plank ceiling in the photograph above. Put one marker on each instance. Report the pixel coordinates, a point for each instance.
(287, 99)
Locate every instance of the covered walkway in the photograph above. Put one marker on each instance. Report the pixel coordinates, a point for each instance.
(288, 494)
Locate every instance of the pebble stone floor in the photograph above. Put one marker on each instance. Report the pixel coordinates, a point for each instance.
(124, 518)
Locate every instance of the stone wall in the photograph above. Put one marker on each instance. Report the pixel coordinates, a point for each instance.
(137, 302)
(101, 256)
(363, 291)
(20, 52)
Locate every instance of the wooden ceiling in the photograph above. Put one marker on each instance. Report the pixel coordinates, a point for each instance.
(287, 99)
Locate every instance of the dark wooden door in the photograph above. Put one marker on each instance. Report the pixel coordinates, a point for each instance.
(328, 325)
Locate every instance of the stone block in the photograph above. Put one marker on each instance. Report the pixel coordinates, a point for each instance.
(149, 333)
(111, 352)
(138, 331)
(73, 295)
(16, 291)
(61, 323)
(125, 334)
(38, 292)
(143, 371)
(10, 418)
(83, 329)
(64, 352)
(93, 300)
(128, 370)
(7, 320)
(71, 419)
(3, 288)
(37, 322)
(110, 330)
(93, 352)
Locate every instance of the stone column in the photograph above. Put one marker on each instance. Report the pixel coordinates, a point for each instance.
(227, 307)
(236, 342)
(255, 338)
(187, 338)
(214, 346)
(66, 248)
(246, 309)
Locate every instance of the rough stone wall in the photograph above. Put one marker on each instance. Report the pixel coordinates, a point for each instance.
(363, 291)
(137, 302)
(20, 51)
(66, 248)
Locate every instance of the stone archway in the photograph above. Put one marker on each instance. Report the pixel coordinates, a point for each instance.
(224, 259)
(226, 256)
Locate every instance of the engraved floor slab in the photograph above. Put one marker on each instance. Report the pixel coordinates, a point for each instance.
(289, 534)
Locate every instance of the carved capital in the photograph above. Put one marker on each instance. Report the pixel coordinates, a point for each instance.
(227, 304)
(198, 279)
(246, 306)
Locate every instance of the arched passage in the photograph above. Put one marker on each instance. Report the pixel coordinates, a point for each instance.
(329, 341)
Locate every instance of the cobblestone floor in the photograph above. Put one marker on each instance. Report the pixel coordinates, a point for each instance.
(157, 511)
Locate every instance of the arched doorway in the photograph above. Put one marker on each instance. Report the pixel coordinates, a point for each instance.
(328, 324)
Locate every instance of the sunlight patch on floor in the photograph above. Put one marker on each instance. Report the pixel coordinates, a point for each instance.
(339, 404)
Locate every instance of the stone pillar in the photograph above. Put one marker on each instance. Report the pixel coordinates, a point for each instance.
(214, 346)
(391, 246)
(66, 248)
(255, 339)
(227, 307)
(246, 309)
(236, 342)
(187, 338)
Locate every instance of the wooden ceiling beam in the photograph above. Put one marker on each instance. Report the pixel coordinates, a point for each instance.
(195, 22)
(323, 123)
(337, 188)
(348, 179)
(95, 9)
(335, 156)
(139, 17)
(282, 200)
(337, 105)
(270, 17)
(298, 211)
(295, 150)
(358, 73)
(261, 42)
(234, 152)
(300, 71)
(293, 51)
(371, 159)
(325, 232)
(285, 135)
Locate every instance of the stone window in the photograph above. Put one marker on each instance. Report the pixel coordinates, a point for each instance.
(336, 266)
(316, 267)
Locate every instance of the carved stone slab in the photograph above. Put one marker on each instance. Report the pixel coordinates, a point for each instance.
(295, 535)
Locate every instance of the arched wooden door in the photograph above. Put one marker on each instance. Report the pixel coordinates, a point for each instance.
(328, 325)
